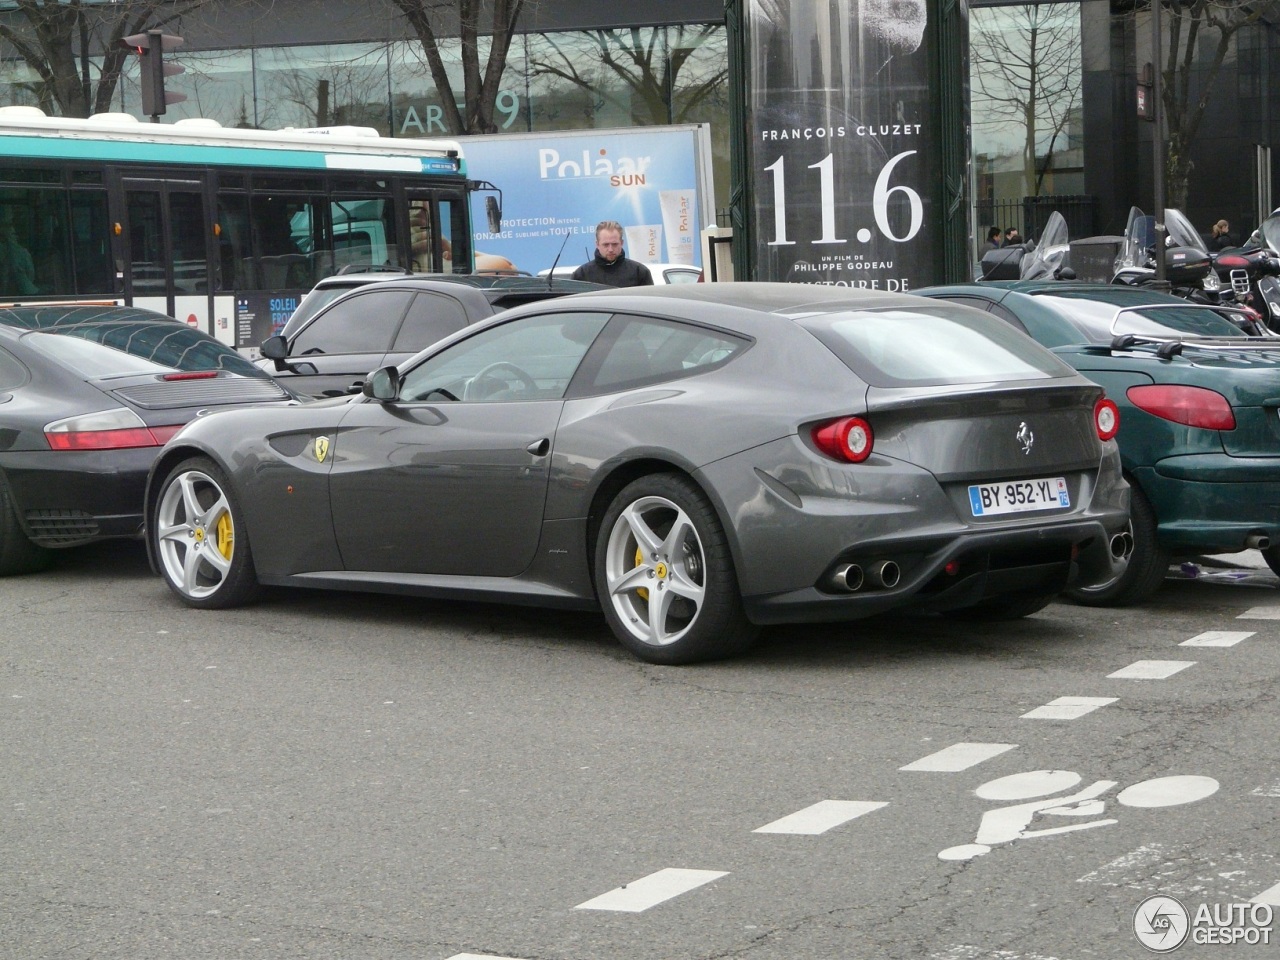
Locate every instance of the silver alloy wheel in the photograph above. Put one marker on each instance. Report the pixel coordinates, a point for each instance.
(195, 535)
(654, 571)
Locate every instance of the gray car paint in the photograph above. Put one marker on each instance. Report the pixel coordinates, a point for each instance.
(789, 513)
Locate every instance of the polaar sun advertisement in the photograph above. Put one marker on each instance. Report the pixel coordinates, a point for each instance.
(844, 150)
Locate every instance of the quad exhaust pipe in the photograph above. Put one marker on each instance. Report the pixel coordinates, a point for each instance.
(882, 574)
(1257, 541)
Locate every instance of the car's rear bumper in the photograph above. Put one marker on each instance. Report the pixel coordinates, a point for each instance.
(1213, 502)
(66, 498)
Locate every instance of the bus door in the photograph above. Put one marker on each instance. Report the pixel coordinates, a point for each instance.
(165, 252)
(439, 235)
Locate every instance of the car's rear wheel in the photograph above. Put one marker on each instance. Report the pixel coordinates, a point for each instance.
(17, 553)
(1272, 556)
(198, 536)
(665, 577)
(1148, 562)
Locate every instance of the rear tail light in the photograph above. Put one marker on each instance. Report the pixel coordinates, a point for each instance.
(116, 429)
(192, 375)
(848, 439)
(1106, 418)
(1194, 406)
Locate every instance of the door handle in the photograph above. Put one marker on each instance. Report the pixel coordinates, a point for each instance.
(539, 448)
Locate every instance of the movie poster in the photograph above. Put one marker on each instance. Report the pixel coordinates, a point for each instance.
(844, 152)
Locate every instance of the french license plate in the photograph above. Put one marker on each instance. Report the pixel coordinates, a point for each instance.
(1016, 496)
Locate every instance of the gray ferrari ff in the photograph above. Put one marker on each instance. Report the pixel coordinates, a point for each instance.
(697, 460)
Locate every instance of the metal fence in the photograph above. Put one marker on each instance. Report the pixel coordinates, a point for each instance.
(1030, 214)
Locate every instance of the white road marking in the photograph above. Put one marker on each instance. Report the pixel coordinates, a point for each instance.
(1217, 638)
(639, 895)
(1068, 708)
(963, 952)
(821, 817)
(1270, 790)
(1270, 896)
(1168, 791)
(959, 756)
(479, 956)
(1128, 869)
(1151, 670)
(1260, 613)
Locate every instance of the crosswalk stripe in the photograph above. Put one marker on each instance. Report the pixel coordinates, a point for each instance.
(1260, 613)
(640, 895)
(1067, 708)
(1151, 669)
(1217, 638)
(1270, 896)
(479, 956)
(959, 756)
(821, 817)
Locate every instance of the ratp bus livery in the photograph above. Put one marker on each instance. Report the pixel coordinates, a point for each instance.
(221, 227)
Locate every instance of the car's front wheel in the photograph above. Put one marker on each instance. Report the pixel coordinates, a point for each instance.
(198, 536)
(1147, 566)
(665, 577)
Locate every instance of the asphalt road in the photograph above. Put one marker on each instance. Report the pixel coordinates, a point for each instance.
(347, 776)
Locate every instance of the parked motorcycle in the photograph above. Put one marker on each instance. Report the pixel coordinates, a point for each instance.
(1252, 272)
(1188, 264)
(1032, 260)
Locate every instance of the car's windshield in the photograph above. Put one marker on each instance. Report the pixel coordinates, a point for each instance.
(1099, 321)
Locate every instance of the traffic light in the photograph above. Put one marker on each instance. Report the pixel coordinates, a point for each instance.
(150, 47)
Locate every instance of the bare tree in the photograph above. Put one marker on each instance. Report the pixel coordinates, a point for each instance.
(72, 46)
(648, 73)
(1194, 25)
(1026, 66)
(344, 90)
(433, 20)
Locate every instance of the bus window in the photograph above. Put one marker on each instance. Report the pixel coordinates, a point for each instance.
(421, 236)
(284, 240)
(233, 243)
(89, 247)
(188, 250)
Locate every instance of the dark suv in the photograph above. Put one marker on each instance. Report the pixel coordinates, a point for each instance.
(386, 322)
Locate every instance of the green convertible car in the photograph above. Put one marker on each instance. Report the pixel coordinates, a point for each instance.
(1199, 407)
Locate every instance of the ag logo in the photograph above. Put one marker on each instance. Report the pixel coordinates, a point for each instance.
(1161, 924)
(321, 448)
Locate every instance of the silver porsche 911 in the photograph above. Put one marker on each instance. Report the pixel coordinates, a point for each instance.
(696, 460)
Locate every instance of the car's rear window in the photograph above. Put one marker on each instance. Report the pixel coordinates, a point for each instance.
(932, 345)
(122, 348)
(1101, 320)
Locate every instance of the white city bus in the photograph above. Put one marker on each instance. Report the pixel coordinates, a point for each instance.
(221, 227)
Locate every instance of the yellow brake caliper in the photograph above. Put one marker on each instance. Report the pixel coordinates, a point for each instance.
(643, 592)
(225, 536)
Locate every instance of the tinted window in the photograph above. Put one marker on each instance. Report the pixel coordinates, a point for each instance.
(919, 347)
(644, 350)
(431, 317)
(362, 323)
(117, 349)
(532, 358)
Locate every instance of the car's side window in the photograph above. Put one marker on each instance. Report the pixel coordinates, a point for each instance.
(12, 372)
(530, 358)
(361, 323)
(431, 317)
(1005, 314)
(641, 350)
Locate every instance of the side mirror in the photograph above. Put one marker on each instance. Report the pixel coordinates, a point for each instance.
(274, 348)
(493, 210)
(382, 385)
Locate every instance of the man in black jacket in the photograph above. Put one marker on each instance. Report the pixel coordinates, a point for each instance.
(610, 265)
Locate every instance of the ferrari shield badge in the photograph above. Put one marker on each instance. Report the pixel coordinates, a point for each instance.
(321, 448)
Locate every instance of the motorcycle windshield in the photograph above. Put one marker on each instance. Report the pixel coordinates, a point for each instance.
(1134, 251)
(1269, 231)
(1047, 256)
(1181, 232)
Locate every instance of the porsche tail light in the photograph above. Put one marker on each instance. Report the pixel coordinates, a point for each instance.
(192, 375)
(849, 439)
(1194, 406)
(106, 430)
(1106, 418)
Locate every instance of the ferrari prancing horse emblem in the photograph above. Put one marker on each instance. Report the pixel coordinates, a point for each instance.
(321, 448)
(1024, 435)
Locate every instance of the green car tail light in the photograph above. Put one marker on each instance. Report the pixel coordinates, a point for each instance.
(1193, 406)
